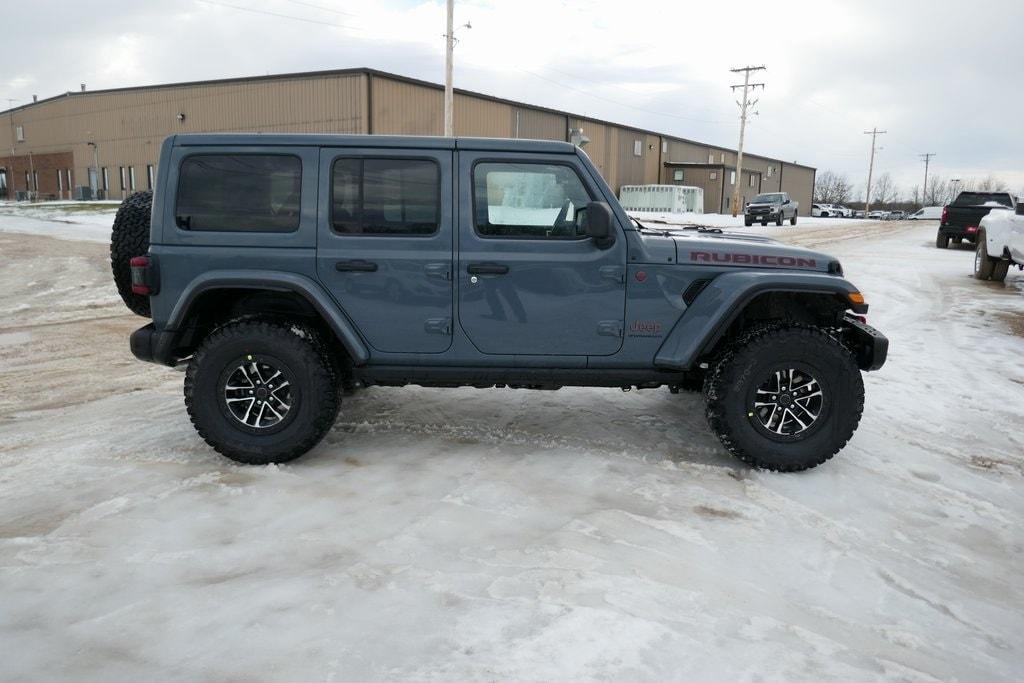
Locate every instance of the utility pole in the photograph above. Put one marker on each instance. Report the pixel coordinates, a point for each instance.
(10, 175)
(874, 133)
(927, 156)
(744, 105)
(449, 49)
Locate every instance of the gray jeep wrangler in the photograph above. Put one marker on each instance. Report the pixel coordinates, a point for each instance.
(288, 270)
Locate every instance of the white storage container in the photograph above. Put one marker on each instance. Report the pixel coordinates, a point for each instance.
(662, 198)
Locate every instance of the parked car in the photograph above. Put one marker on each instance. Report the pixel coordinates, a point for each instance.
(878, 215)
(1000, 244)
(266, 272)
(821, 210)
(960, 219)
(928, 213)
(896, 216)
(859, 214)
(774, 206)
(841, 211)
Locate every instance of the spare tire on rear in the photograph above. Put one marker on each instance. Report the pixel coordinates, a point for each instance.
(130, 238)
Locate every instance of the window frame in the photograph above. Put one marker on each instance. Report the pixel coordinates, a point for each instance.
(472, 189)
(181, 176)
(362, 170)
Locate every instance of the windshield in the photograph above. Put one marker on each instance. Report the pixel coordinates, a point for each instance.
(768, 199)
(982, 198)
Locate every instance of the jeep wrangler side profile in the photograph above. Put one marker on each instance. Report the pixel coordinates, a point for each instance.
(287, 270)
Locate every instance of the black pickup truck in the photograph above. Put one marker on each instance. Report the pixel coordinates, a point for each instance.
(961, 217)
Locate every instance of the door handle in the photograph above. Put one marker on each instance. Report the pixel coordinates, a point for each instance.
(486, 269)
(356, 266)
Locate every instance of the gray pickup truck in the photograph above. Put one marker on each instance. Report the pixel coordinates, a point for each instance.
(771, 206)
(288, 270)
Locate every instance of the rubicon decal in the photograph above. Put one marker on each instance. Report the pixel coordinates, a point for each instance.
(753, 259)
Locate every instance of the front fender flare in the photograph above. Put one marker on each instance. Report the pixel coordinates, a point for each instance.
(722, 300)
(278, 281)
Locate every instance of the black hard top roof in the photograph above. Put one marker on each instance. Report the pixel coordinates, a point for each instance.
(392, 141)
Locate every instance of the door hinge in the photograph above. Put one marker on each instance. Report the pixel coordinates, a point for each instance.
(617, 273)
(610, 328)
(442, 271)
(438, 326)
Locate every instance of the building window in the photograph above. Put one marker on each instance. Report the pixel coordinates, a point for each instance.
(752, 180)
(723, 157)
(124, 179)
(732, 177)
(664, 146)
(728, 202)
(638, 148)
(28, 182)
(71, 186)
(713, 176)
(386, 197)
(35, 180)
(677, 175)
(528, 200)
(711, 157)
(131, 178)
(239, 193)
(60, 181)
(106, 180)
(771, 171)
(3, 182)
(149, 176)
(19, 133)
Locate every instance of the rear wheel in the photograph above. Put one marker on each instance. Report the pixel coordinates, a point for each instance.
(261, 391)
(999, 270)
(941, 241)
(785, 398)
(983, 265)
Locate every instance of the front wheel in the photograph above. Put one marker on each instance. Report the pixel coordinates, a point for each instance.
(983, 265)
(778, 221)
(792, 221)
(261, 391)
(748, 222)
(784, 398)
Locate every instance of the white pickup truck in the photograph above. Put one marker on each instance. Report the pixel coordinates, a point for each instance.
(1000, 244)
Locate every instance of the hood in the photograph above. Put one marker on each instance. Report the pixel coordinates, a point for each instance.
(750, 251)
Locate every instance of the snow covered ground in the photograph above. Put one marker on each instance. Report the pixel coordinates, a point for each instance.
(500, 534)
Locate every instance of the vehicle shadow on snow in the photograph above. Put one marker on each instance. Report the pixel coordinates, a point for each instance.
(652, 425)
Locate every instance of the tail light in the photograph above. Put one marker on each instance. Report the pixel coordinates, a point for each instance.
(945, 214)
(140, 275)
(972, 228)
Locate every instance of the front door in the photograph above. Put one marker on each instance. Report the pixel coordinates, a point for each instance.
(384, 244)
(529, 282)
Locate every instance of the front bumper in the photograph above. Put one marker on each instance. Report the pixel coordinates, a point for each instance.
(153, 346)
(870, 346)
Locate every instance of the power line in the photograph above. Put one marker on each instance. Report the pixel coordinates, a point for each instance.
(747, 86)
(320, 7)
(278, 15)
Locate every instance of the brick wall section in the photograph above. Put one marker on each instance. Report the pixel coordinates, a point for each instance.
(46, 167)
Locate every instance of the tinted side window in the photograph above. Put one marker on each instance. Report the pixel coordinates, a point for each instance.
(239, 193)
(385, 197)
(527, 200)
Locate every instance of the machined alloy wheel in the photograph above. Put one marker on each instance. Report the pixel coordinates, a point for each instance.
(788, 403)
(259, 394)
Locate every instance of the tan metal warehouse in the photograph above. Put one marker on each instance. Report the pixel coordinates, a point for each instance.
(109, 140)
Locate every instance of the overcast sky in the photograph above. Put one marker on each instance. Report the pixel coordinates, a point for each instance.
(942, 76)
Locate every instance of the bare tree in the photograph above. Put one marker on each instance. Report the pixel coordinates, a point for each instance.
(832, 188)
(991, 184)
(885, 190)
(938, 191)
(915, 195)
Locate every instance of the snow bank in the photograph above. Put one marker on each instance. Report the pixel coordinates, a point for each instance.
(88, 221)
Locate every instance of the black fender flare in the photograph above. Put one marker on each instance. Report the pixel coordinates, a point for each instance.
(274, 281)
(704, 322)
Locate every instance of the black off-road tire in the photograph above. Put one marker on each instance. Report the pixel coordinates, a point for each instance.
(730, 387)
(983, 264)
(942, 241)
(130, 238)
(296, 349)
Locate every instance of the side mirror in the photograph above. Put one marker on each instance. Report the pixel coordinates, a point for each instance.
(785, 201)
(597, 224)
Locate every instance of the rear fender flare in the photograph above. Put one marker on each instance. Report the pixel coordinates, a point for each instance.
(274, 281)
(724, 298)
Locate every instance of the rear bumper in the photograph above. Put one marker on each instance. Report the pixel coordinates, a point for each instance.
(964, 232)
(870, 345)
(153, 346)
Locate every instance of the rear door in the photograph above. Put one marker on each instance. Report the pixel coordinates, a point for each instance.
(529, 283)
(384, 244)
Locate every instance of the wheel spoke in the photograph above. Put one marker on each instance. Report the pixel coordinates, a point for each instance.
(787, 403)
(251, 399)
